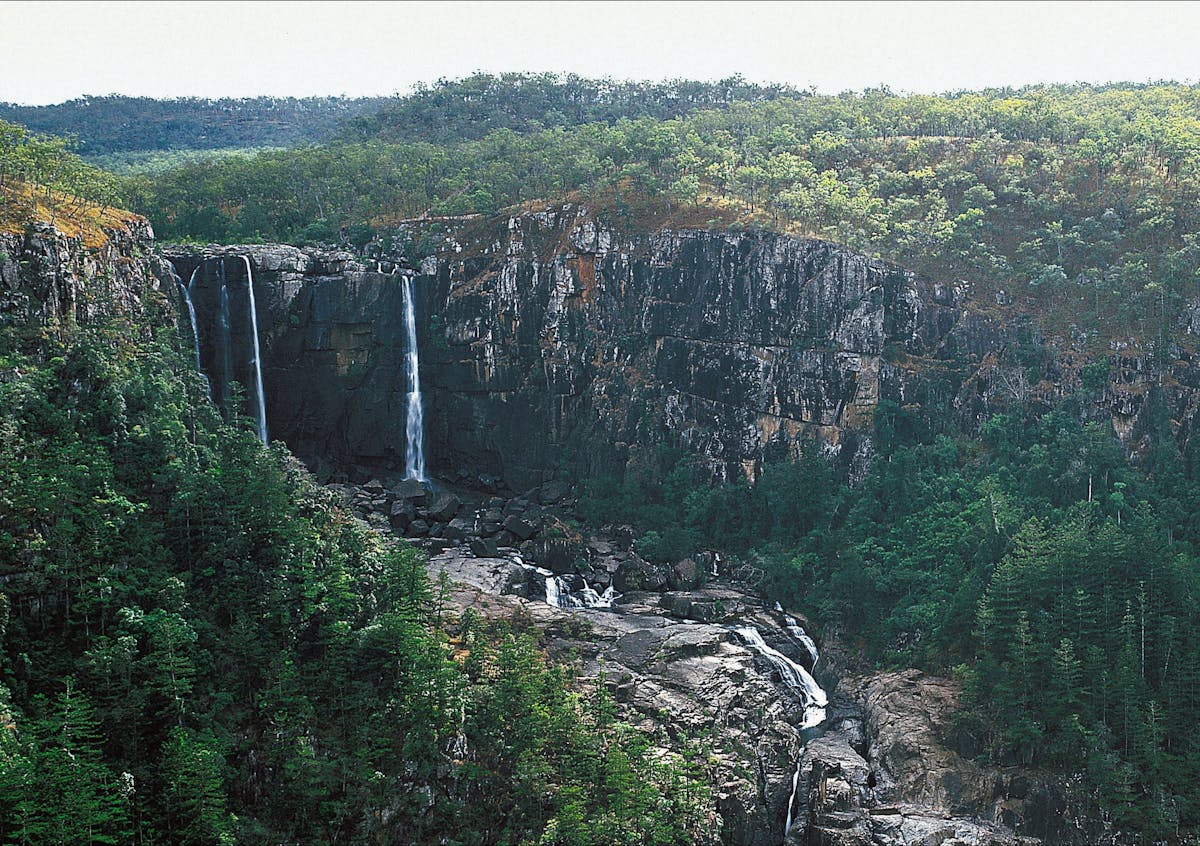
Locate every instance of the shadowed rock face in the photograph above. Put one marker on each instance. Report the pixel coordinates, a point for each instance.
(550, 336)
(731, 345)
(552, 345)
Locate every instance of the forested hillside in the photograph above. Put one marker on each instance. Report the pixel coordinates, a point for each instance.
(1080, 192)
(200, 647)
(116, 124)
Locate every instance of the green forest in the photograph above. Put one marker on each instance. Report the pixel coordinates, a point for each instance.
(200, 647)
(115, 124)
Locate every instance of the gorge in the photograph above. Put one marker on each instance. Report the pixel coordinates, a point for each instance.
(717, 464)
(548, 335)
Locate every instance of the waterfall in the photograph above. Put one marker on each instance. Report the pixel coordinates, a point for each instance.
(799, 634)
(560, 595)
(226, 344)
(191, 309)
(553, 590)
(258, 382)
(798, 679)
(414, 431)
(787, 827)
(797, 631)
(793, 675)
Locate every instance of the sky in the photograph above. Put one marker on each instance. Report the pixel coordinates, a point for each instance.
(56, 51)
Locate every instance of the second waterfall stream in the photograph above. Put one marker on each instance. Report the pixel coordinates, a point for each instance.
(414, 429)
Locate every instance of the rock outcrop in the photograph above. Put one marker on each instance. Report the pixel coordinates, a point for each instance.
(884, 772)
(553, 345)
(53, 281)
(879, 771)
(672, 678)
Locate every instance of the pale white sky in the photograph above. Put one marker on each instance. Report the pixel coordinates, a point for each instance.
(56, 51)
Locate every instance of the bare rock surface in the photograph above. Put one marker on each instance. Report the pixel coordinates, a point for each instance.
(877, 772)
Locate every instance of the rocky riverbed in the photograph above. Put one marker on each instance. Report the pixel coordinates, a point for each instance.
(669, 641)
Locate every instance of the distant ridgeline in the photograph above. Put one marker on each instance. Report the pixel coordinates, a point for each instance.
(116, 124)
(445, 111)
(460, 110)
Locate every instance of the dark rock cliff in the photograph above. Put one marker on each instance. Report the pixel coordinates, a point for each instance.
(552, 344)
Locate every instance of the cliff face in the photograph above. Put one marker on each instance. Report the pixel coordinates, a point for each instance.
(734, 346)
(52, 281)
(884, 772)
(550, 344)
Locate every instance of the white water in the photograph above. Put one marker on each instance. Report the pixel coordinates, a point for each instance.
(191, 309)
(553, 587)
(793, 675)
(258, 382)
(414, 448)
(560, 595)
(226, 352)
(787, 827)
(797, 631)
(799, 634)
(586, 598)
(797, 678)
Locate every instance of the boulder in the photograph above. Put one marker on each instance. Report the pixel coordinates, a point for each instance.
(676, 604)
(553, 492)
(485, 548)
(712, 611)
(465, 523)
(411, 489)
(401, 515)
(638, 574)
(685, 575)
(445, 507)
(417, 529)
(519, 528)
(373, 487)
(453, 534)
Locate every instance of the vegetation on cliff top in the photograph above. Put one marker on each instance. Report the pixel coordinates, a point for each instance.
(1085, 197)
(42, 180)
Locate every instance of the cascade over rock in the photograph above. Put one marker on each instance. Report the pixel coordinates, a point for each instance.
(414, 429)
(221, 301)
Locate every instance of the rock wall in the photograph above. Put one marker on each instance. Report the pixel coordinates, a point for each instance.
(51, 282)
(553, 345)
(561, 335)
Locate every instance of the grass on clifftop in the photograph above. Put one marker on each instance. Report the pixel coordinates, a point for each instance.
(22, 204)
